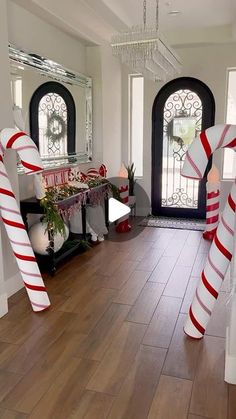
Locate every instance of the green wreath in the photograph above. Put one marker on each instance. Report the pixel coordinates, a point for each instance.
(58, 132)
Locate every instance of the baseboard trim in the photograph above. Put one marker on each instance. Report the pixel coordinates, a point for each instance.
(3, 304)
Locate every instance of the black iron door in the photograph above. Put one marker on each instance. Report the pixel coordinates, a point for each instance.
(182, 109)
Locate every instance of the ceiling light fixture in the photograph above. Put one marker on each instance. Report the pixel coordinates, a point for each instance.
(143, 49)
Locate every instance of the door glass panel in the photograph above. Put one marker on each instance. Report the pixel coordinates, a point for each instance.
(182, 121)
(52, 116)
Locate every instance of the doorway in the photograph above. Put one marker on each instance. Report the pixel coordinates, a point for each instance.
(182, 109)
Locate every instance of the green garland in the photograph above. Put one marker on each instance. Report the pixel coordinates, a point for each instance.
(51, 217)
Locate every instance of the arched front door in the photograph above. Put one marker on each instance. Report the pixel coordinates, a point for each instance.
(183, 108)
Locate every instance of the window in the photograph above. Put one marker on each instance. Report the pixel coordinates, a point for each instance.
(16, 88)
(52, 120)
(136, 93)
(229, 166)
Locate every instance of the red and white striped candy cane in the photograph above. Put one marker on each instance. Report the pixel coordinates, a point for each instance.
(123, 225)
(219, 136)
(212, 210)
(11, 217)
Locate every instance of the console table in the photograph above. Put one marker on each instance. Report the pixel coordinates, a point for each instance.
(80, 201)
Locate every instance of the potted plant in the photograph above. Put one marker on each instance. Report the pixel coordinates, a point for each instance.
(132, 199)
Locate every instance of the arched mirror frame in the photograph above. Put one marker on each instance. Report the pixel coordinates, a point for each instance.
(63, 92)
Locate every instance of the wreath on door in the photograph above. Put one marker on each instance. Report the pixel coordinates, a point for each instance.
(56, 129)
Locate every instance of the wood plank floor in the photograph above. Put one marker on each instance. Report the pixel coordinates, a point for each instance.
(112, 344)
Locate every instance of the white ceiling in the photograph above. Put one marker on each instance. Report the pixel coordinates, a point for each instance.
(94, 21)
(193, 13)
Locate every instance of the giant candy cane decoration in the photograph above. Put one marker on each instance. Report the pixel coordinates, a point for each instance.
(11, 217)
(197, 157)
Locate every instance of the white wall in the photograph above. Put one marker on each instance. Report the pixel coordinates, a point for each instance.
(112, 110)
(8, 269)
(206, 63)
(94, 68)
(35, 35)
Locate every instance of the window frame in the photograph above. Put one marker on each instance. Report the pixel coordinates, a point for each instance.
(130, 107)
(229, 69)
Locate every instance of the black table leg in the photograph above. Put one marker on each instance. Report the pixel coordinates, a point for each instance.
(106, 209)
(83, 214)
(51, 253)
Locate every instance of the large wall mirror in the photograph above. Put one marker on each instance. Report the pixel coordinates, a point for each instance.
(54, 105)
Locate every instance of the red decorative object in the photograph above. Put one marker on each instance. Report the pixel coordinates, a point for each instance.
(92, 173)
(213, 203)
(11, 217)
(219, 136)
(123, 226)
(103, 171)
(83, 177)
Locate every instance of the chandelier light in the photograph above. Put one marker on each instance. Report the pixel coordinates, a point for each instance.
(143, 49)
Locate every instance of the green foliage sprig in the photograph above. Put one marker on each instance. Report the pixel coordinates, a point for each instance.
(98, 181)
(131, 172)
(51, 217)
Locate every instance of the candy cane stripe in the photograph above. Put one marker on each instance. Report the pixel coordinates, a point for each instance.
(213, 194)
(13, 223)
(3, 174)
(215, 268)
(212, 220)
(34, 287)
(14, 138)
(208, 286)
(196, 323)
(31, 166)
(201, 304)
(231, 202)
(213, 207)
(225, 130)
(27, 148)
(205, 144)
(232, 144)
(222, 249)
(20, 243)
(7, 192)
(39, 305)
(24, 257)
(30, 274)
(227, 226)
(193, 165)
(9, 210)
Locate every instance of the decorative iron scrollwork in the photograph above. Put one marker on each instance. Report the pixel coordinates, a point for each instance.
(182, 121)
(180, 199)
(53, 124)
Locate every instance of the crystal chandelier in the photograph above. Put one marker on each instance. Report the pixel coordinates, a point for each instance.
(142, 48)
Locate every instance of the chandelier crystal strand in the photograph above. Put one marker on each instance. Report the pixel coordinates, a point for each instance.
(144, 13)
(157, 15)
(144, 50)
